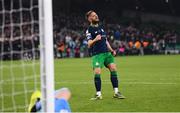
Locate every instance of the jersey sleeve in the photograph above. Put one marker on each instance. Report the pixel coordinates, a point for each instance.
(88, 35)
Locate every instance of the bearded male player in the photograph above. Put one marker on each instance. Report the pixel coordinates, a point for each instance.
(102, 55)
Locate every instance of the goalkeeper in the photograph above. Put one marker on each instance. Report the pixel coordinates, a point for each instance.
(61, 101)
(101, 55)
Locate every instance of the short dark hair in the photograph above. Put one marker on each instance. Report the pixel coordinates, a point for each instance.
(88, 13)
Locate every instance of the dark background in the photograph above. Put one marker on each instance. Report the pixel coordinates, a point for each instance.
(170, 7)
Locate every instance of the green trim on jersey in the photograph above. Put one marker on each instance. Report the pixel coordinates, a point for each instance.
(102, 59)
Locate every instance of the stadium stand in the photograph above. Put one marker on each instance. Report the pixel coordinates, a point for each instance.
(69, 37)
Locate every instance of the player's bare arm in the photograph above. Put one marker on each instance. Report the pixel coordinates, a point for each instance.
(110, 48)
(91, 42)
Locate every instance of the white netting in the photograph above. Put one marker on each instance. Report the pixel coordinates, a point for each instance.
(19, 42)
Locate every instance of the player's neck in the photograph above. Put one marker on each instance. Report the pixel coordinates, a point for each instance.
(94, 25)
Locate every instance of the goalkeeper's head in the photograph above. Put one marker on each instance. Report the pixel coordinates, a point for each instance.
(92, 17)
(64, 93)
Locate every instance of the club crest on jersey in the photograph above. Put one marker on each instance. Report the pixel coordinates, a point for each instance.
(97, 63)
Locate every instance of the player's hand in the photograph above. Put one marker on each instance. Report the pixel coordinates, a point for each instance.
(114, 53)
(98, 37)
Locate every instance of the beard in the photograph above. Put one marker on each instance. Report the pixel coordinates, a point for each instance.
(95, 21)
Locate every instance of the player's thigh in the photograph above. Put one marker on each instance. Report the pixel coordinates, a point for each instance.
(97, 61)
(109, 62)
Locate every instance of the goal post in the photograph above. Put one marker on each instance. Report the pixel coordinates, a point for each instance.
(46, 57)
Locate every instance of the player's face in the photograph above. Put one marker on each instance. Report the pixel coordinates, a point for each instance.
(68, 95)
(94, 18)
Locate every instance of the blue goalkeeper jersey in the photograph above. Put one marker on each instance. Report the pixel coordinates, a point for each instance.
(62, 106)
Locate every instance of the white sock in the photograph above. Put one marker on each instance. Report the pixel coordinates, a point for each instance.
(98, 93)
(116, 90)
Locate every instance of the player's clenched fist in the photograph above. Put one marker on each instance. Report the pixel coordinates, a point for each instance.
(98, 37)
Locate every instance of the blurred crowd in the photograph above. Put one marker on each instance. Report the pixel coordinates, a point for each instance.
(21, 39)
(126, 39)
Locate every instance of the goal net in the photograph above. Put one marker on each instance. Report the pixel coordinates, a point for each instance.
(24, 67)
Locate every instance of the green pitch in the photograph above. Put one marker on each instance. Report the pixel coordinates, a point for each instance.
(150, 83)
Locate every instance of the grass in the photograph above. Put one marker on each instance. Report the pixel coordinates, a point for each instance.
(150, 83)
